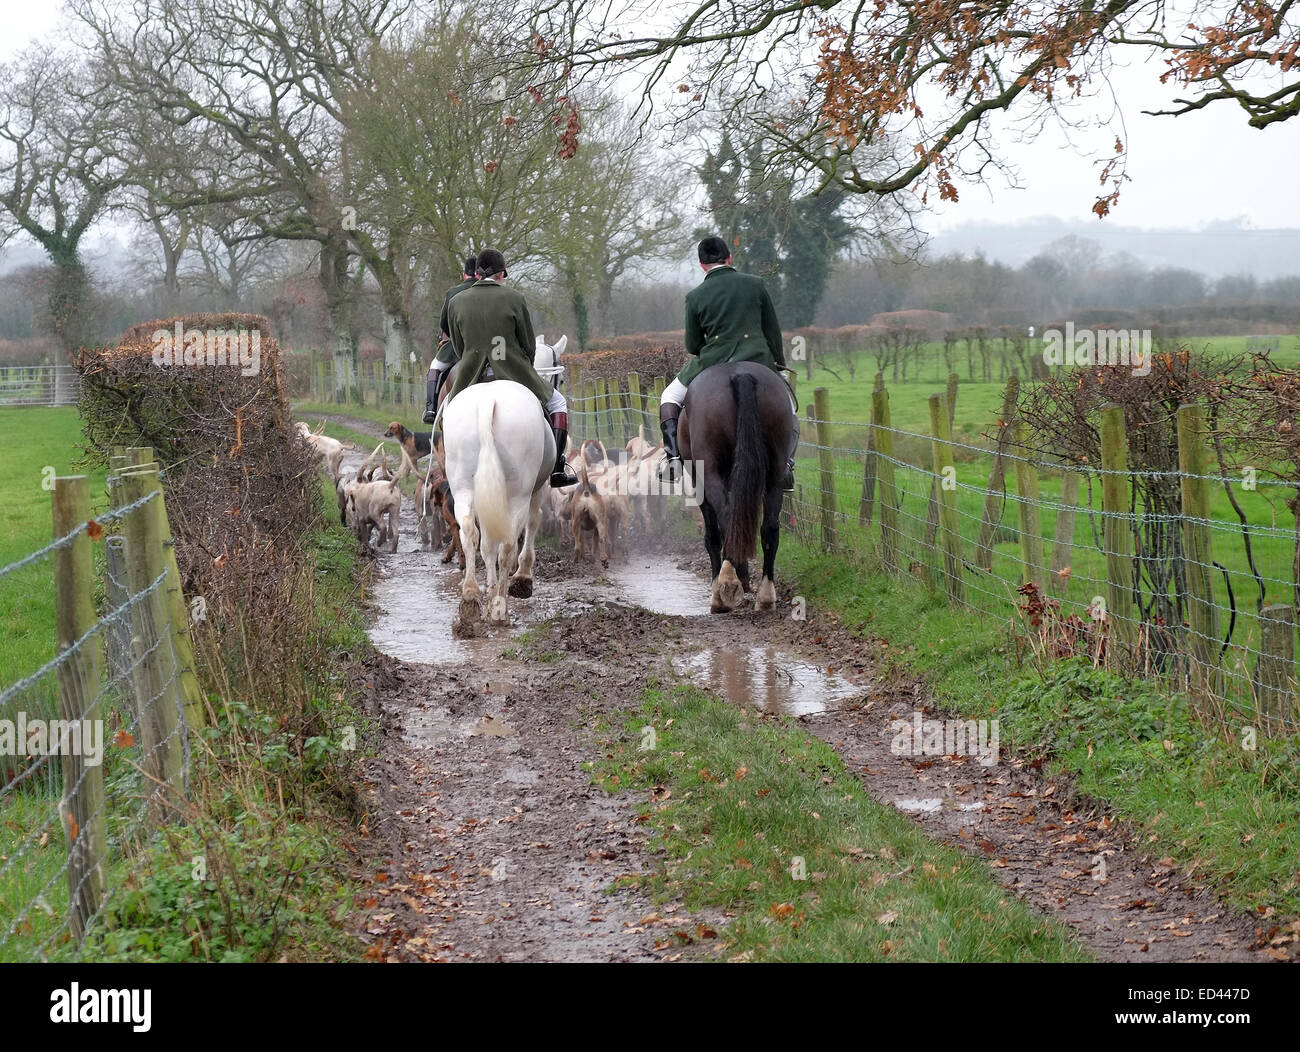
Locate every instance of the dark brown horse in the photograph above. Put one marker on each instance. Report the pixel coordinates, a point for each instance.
(735, 430)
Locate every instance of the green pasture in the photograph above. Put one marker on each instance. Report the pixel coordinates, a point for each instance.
(39, 442)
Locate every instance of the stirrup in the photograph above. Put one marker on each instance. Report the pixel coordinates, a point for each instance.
(787, 481)
(563, 477)
(670, 470)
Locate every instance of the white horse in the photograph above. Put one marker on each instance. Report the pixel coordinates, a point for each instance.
(499, 458)
(546, 359)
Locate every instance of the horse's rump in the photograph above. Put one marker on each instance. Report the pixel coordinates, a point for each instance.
(736, 424)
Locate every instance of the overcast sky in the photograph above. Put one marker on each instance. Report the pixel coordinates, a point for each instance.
(1186, 172)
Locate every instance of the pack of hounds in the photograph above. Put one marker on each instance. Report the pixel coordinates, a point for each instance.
(594, 516)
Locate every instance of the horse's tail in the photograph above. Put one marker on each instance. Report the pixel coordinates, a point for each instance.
(490, 506)
(749, 468)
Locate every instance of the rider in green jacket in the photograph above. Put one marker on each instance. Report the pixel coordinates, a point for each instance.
(491, 329)
(729, 318)
(446, 356)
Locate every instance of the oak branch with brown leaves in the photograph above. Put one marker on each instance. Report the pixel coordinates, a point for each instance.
(930, 75)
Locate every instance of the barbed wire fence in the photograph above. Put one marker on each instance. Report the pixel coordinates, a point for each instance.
(94, 743)
(1060, 550)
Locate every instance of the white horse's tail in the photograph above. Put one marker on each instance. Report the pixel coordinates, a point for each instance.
(490, 499)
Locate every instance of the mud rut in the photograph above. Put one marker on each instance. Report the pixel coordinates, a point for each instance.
(488, 841)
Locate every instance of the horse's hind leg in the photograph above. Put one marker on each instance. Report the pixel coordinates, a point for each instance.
(469, 539)
(712, 534)
(770, 537)
(521, 585)
(498, 572)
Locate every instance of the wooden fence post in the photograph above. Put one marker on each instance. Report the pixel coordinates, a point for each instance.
(941, 454)
(617, 414)
(1064, 542)
(932, 508)
(1198, 558)
(603, 388)
(637, 406)
(995, 493)
(826, 460)
(1275, 673)
(884, 435)
(588, 401)
(1031, 526)
(1117, 539)
(178, 613)
(79, 677)
(869, 466)
(156, 680)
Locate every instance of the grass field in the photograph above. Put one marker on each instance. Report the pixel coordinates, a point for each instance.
(39, 443)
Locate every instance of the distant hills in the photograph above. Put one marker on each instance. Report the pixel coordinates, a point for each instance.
(1216, 249)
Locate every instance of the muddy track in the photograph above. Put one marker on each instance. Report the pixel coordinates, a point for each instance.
(352, 423)
(489, 841)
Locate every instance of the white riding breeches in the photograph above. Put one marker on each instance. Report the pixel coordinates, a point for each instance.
(437, 367)
(675, 392)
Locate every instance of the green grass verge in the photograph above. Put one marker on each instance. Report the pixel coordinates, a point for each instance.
(1203, 800)
(737, 802)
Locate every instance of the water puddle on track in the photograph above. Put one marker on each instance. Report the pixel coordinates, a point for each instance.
(768, 678)
(418, 598)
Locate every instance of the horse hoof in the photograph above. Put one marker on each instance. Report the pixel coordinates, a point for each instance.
(469, 612)
(521, 587)
(766, 598)
(727, 590)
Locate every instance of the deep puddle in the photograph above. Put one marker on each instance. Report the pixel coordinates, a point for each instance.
(770, 679)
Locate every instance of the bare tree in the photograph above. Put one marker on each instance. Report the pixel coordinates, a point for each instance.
(56, 177)
(932, 72)
(269, 82)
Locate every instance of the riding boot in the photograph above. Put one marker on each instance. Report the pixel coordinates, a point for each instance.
(670, 469)
(787, 483)
(562, 474)
(431, 399)
(431, 388)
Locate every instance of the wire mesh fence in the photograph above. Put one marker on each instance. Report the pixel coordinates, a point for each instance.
(94, 750)
(1202, 598)
(366, 383)
(39, 385)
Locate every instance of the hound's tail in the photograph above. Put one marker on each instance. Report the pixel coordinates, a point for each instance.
(407, 468)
